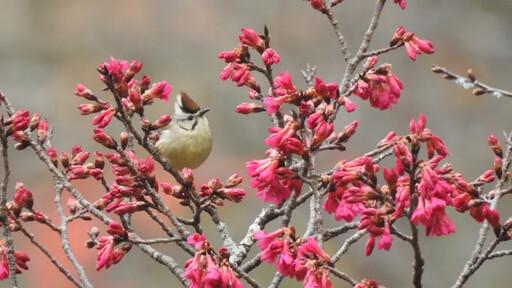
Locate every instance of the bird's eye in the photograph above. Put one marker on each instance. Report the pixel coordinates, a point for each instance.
(190, 117)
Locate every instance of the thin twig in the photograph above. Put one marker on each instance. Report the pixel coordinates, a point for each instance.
(478, 87)
(344, 248)
(64, 240)
(337, 30)
(45, 251)
(156, 240)
(482, 234)
(328, 234)
(342, 276)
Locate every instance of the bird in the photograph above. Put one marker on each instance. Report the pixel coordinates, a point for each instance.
(187, 142)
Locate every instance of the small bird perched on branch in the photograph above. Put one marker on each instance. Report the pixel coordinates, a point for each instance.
(187, 142)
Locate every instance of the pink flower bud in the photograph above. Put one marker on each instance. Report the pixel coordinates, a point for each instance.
(161, 122)
(247, 108)
(188, 175)
(89, 108)
(42, 131)
(82, 91)
(104, 118)
(233, 181)
(52, 154)
(102, 138)
(64, 159)
(144, 83)
(270, 57)
(495, 145)
(23, 197)
(34, 121)
(215, 184)
(132, 70)
(160, 90)
(250, 38)
(99, 160)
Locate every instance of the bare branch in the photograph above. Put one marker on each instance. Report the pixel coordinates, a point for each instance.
(479, 88)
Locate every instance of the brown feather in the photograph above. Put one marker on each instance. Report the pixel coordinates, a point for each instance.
(187, 104)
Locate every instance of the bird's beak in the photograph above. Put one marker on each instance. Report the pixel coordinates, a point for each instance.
(202, 112)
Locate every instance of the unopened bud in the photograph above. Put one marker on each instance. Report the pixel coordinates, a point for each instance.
(188, 175)
(72, 205)
(89, 244)
(233, 181)
(26, 216)
(471, 75)
(248, 108)
(64, 159)
(161, 122)
(144, 83)
(21, 146)
(498, 165)
(99, 160)
(123, 138)
(145, 123)
(184, 202)
(495, 145)
(52, 154)
(436, 69)
(34, 122)
(478, 91)
(94, 232)
(215, 184)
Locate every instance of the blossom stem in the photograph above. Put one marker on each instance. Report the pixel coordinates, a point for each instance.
(4, 214)
(477, 258)
(344, 248)
(45, 251)
(467, 83)
(64, 234)
(342, 276)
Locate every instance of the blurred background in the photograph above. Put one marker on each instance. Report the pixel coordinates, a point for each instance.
(47, 47)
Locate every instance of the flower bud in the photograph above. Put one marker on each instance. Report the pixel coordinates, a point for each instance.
(72, 205)
(42, 131)
(99, 160)
(248, 108)
(34, 122)
(471, 75)
(161, 122)
(495, 145)
(52, 154)
(64, 159)
(478, 91)
(102, 138)
(233, 181)
(188, 175)
(215, 184)
(123, 138)
(82, 91)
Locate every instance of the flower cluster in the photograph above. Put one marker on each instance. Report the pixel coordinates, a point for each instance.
(207, 268)
(214, 192)
(21, 262)
(354, 189)
(134, 94)
(294, 257)
(379, 85)
(19, 122)
(413, 45)
(108, 254)
(133, 178)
